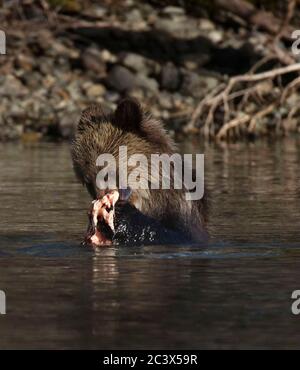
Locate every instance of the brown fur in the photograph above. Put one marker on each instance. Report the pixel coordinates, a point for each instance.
(99, 133)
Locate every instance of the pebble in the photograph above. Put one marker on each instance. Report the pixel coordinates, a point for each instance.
(121, 79)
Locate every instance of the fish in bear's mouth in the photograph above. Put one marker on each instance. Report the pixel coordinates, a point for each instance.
(101, 226)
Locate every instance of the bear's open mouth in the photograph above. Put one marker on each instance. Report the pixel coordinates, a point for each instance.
(101, 220)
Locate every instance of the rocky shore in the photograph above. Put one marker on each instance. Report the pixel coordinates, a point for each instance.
(58, 64)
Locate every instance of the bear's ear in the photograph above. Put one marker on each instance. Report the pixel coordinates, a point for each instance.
(128, 115)
(92, 115)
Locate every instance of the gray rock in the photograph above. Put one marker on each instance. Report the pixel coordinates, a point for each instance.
(95, 11)
(134, 16)
(17, 110)
(192, 85)
(111, 96)
(192, 61)
(165, 100)
(215, 36)
(25, 62)
(173, 10)
(46, 65)
(92, 61)
(121, 79)
(94, 90)
(67, 123)
(181, 28)
(148, 11)
(137, 93)
(209, 82)
(74, 90)
(138, 63)
(293, 100)
(135, 62)
(170, 77)
(147, 83)
(206, 25)
(108, 57)
(12, 87)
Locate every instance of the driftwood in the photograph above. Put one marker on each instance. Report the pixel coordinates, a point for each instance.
(245, 100)
(223, 95)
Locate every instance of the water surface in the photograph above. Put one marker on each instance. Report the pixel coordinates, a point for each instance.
(233, 293)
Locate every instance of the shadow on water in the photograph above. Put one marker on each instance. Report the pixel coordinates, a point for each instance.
(233, 293)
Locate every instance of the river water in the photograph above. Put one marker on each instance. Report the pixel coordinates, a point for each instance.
(233, 293)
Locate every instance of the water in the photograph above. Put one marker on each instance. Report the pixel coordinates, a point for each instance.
(234, 293)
